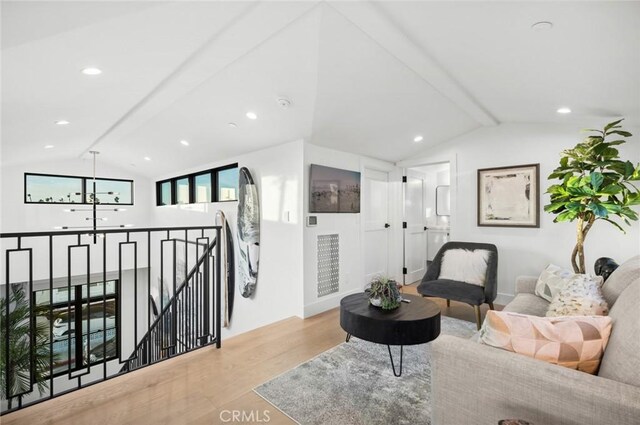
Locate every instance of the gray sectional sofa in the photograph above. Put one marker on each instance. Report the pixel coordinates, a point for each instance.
(478, 384)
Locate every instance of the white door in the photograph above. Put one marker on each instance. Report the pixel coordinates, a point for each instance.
(415, 234)
(376, 224)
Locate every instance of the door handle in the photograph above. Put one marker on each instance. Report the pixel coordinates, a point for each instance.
(387, 225)
(425, 228)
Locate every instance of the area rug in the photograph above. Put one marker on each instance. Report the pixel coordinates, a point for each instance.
(353, 384)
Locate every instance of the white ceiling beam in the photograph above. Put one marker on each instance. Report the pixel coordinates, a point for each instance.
(256, 24)
(373, 22)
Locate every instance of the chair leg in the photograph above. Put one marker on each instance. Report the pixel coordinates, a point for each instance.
(448, 303)
(478, 316)
(491, 306)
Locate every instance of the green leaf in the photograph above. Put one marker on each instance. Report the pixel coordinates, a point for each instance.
(629, 213)
(598, 209)
(611, 189)
(616, 142)
(615, 224)
(628, 169)
(636, 173)
(612, 208)
(612, 124)
(632, 199)
(596, 180)
(566, 216)
(609, 153)
(573, 181)
(619, 132)
(564, 161)
(554, 206)
(556, 189)
(578, 193)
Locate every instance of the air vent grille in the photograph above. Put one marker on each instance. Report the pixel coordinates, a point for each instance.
(328, 264)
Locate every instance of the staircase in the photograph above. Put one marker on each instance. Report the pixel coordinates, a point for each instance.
(184, 323)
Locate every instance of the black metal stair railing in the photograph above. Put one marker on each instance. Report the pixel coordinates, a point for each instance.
(71, 309)
(181, 324)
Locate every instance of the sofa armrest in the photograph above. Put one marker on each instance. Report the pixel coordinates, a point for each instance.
(479, 384)
(526, 284)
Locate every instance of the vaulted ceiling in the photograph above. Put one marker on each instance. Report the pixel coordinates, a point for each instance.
(362, 77)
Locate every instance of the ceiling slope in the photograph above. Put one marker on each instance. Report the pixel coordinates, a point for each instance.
(285, 65)
(371, 103)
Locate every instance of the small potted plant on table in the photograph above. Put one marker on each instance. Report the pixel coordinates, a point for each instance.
(384, 293)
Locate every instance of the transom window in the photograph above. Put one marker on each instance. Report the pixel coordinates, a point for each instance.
(215, 185)
(57, 189)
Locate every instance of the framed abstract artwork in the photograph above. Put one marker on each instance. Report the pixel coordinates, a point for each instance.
(509, 196)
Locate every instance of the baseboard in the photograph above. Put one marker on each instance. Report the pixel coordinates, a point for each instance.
(504, 299)
(326, 303)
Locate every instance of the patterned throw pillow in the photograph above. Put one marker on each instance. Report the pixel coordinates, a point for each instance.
(551, 281)
(464, 265)
(575, 342)
(582, 296)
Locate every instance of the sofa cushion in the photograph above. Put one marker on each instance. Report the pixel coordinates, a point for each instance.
(620, 279)
(576, 342)
(551, 281)
(581, 297)
(528, 304)
(621, 361)
(452, 290)
(464, 265)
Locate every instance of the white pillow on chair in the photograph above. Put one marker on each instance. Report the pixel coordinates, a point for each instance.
(464, 265)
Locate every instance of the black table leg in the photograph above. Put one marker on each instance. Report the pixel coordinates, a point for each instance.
(392, 364)
(348, 338)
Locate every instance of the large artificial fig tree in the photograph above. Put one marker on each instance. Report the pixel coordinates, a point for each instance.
(595, 184)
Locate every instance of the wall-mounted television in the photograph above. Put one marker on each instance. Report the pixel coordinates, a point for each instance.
(333, 190)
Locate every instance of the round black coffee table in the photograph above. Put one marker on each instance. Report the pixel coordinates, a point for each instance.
(416, 322)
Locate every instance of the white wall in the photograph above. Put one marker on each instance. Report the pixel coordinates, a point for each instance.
(18, 216)
(526, 251)
(348, 227)
(278, 173)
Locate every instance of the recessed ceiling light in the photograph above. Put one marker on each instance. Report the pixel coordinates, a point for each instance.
(564, 110)
(252, 115)
(542, 26)
(184, 143)
(146, 158)
(62, 122)
(233, 125)
(49, 146)
(91, 71)
(418, 139)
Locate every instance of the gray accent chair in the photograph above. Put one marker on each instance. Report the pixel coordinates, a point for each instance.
(474, 295)
(472, 383)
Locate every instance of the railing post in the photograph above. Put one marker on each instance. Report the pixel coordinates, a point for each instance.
(217, 283)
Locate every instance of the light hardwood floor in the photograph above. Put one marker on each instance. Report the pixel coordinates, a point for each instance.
(198, 387)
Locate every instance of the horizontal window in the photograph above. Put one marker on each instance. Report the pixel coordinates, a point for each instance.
(215, 185)
(56, 189)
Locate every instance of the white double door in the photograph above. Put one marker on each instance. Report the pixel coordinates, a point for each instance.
(375, 215)
(415, 232)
